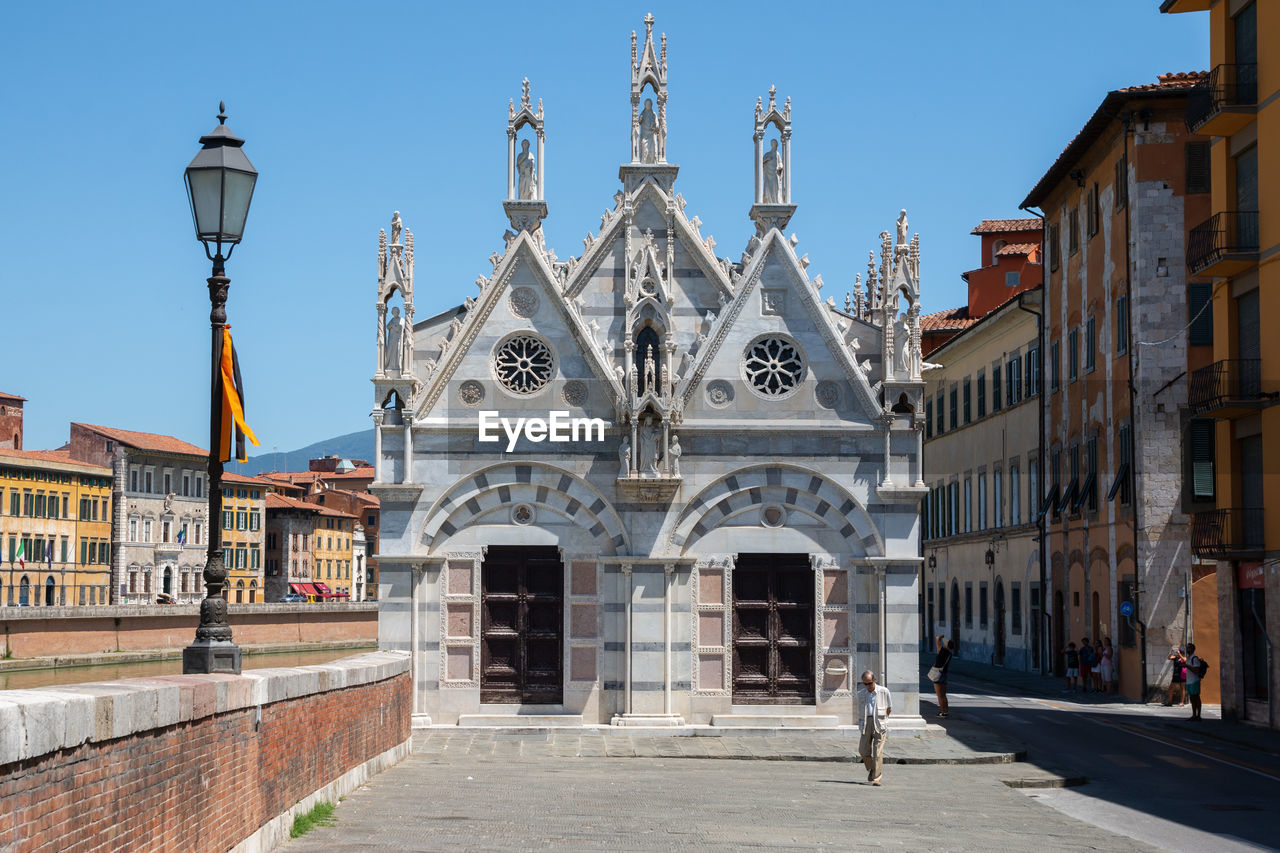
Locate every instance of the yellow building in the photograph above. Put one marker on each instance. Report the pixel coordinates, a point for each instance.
(331, 551)
(55, 529)
(1235, 253)
(243, 534)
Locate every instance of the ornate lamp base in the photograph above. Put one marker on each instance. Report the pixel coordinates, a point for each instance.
(205, 656)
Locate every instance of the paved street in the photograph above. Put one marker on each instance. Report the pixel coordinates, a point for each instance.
(1152, 774)
(1099, 774)
(502, 801)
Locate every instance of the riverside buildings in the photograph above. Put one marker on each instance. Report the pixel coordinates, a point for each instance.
(745, 539)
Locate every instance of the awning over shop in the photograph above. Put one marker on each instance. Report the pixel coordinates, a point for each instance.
(324, 592)
(299, 588)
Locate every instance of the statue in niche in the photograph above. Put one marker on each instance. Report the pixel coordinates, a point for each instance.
(624, 459)
(396, 227)
(396, 335)
(902, 228)
(772, 164)
(648, 369)
(525, 166)
(902, 344)
(648, 133)
(674, 452)
(650, 436)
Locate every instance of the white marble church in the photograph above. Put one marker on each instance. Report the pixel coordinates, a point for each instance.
(650, 485)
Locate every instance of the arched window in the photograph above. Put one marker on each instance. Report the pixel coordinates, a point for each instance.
(50, 586)
(995, 251)
(24, 591)
(646, 347)
(253, 591)
(167, 583)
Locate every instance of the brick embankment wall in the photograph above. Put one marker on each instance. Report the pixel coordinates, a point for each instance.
(34, 632)
(195, 763)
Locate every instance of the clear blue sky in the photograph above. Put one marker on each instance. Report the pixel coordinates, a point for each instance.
(952, 110)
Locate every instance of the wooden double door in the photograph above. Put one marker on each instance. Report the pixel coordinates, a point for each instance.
(773, 629)
(522, 626)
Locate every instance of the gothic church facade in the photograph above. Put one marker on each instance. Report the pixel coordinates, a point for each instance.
(729, 532)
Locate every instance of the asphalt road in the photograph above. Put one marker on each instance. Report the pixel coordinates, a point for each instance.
(1146, 779)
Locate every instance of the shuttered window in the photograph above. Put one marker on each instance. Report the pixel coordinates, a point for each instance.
(1122, 325)
(1200, 314)
(1198, 180)
(968, 406)
(995, 388)
(1122, 182)
(1092, 216)
(1202, 453)
(982, 394)
(1055, 248)
(1073, 231)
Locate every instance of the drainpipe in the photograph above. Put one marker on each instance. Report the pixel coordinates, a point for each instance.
(1040, 457)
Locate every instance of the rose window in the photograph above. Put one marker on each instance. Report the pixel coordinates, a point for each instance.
(774, 366)
(523, 364)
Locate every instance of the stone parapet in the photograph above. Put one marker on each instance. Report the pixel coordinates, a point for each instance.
(75, 761)
(122, 611)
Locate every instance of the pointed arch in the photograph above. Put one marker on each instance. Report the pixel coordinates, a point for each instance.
(793, 487)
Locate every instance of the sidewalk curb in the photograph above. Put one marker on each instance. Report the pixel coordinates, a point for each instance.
(1055, 782)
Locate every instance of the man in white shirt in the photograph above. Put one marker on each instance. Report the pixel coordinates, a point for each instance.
(874, 707)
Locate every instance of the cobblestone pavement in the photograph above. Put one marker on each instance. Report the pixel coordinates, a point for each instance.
(515, 791)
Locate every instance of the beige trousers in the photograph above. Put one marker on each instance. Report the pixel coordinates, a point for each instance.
(871, 749)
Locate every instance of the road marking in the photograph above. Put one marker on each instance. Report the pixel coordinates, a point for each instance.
(1179, 761)
(1126, 760)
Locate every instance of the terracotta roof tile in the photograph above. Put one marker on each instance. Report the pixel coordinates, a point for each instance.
(951, 320)
(1004, 226)
(148, 440)
(232, 477)
(1173, 80)
(56, 457)
(1019, 249)
(5, 396)
(276, 501)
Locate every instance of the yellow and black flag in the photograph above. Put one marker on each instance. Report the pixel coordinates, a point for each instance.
(231, 393)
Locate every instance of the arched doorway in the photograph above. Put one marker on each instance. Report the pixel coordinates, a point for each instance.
(999, 626)
(166, 585)
(1059, 620)
(50, 586)
(24, 591)
(239, 592)
(955, 615)
(253, 591)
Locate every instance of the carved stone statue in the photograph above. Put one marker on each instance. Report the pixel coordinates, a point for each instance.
(168, 502)
(525, 167)
(648, 370)
(624, 459)
(393, 352)
(902, 228)
(648, 133)
(902, 345)
(772, 164)
(396, 227)
(674, 452)
(650, 436)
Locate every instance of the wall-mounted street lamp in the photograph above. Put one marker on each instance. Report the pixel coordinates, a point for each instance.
(220, 183)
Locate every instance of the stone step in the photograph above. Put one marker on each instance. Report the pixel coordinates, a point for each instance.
(776, 721)
(523, 721)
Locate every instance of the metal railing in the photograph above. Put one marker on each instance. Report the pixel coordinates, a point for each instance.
(1226, 86)
(1226, 533)
(1229, 380)
(1226, 233)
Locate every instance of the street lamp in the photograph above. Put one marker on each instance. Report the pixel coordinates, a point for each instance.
(220, 182)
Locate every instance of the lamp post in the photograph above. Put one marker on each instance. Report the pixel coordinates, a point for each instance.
(220, 181)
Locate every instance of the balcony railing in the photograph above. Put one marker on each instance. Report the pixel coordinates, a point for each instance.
(1228, 533)
(1228, 88)
(1228, 385)
(1227, 239)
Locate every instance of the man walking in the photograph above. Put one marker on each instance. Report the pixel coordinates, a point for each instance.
(874, 707)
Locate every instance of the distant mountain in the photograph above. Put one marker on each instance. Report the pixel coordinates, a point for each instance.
(355, 445)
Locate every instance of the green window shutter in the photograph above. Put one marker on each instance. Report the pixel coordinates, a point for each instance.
(1202, 453)
(1199, 298)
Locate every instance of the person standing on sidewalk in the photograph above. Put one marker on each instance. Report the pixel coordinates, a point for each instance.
(1086, 664)
(874, 707)
(1073, 666)
(1195, 672)
(946, 650)
(1178, 681)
